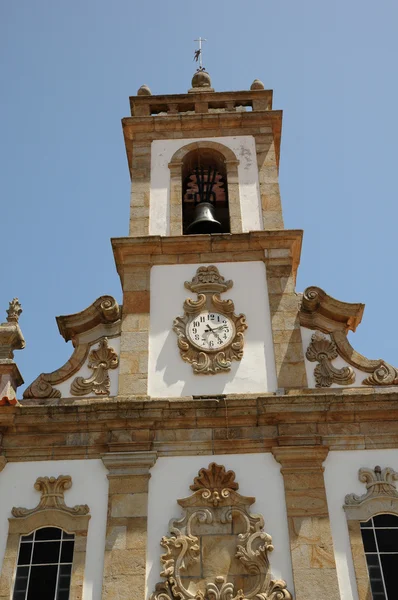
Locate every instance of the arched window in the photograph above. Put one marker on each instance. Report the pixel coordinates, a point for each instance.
(204, 192)
(204, 172)
(380, 541)
(41, 560)
(372, 520)
(44, 565)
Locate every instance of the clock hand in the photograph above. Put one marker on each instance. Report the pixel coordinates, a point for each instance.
(213, 331)
(220, 327)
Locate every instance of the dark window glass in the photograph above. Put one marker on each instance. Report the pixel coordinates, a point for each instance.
(44, 565)
(25, 552)
(380, 540)
(387, 540)
(42, 582)
(21, 578)
(389, 563)
(385, 521)
(48, 533)
(67, 552)
(45, 552)
(369, 541)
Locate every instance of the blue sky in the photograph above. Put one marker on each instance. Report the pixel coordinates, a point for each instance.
(68, 69)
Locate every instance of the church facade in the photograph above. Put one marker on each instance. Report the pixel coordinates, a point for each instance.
(215, 436)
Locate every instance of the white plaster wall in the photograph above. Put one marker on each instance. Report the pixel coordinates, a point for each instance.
(243, 147)
(338, 362)
(341, 478)
(86, 372)
(169, 375)
(258, 475)
(89, 486)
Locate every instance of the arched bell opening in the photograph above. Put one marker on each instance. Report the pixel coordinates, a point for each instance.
(205, 207)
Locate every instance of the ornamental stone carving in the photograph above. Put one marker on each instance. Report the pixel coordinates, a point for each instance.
(99, 321)
(52, 497)
(323, 351)
(209, 334)
(381, 496)
(379, 482)
(11, 337)
(218, 550)
(322, 312)
(100, 361)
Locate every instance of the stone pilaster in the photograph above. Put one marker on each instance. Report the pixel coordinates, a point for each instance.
(268, 180)
(140, 188)
(286, 332)
(133, 373)
(126, 533)
(311, 544)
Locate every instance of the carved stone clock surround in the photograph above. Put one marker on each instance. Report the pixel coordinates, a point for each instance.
(209, 284)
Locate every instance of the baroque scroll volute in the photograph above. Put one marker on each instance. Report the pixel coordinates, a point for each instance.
(218, 550)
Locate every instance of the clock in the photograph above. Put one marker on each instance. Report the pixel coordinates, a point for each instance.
(210, 334)
(210, 331)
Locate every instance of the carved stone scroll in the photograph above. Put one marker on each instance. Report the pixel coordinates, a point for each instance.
(52, 497)
(83, 330)
(100, 361)
(218, 550)
(323, 351)
(321, 312)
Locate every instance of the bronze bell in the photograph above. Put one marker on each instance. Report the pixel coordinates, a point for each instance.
(204, 221)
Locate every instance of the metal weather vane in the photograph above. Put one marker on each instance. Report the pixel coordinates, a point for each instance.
(198, 53)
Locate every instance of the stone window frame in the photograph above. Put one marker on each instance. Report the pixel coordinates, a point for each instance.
(381, 497)
(231, 165)
(50, 512)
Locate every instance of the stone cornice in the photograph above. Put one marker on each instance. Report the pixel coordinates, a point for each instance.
(282, 247)
(160, 99)
(149, 128)
(104, 310)
(323, 312)
(350, 419)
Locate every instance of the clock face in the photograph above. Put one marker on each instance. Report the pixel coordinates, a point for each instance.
(210, 331)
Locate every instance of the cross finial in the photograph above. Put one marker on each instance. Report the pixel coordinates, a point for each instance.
(198, 53)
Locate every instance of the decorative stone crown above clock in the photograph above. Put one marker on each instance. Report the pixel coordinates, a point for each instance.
(210, 334)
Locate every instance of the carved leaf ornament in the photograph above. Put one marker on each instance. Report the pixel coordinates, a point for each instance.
(208, 284)
(100, 361)
(52, 496)
(379, 483)
(323, 351)
(218, 550)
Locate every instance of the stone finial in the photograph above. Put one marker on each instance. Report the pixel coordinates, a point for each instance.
(257, 85)
(14, 311)
(201, 81)
(11, 339)
(144, 90)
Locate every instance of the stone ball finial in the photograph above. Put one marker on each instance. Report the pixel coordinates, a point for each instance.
(201, 79)
(257, 85)
(144, 91)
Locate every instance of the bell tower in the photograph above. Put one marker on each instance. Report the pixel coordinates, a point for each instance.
(208, 269)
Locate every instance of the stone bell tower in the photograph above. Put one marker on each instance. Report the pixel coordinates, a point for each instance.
(214, 377)
(205, 192)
